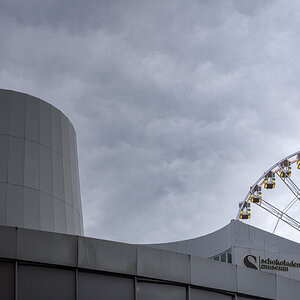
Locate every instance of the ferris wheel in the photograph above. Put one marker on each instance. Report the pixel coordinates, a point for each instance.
(283, 171)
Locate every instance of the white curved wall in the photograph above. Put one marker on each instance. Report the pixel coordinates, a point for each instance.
(39, 181)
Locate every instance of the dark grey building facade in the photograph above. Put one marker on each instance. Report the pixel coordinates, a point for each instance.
(44, 255)
(43, 265)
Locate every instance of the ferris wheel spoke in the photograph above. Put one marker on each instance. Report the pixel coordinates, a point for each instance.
(285, 210)
(279, 214)
(290, 204)
(292, 186)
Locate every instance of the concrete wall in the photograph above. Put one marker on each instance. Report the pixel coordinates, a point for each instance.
(39, 181)
(235, 234)
(243, 240)
(203, 246)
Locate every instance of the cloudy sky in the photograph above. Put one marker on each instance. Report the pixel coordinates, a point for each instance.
(179, 106)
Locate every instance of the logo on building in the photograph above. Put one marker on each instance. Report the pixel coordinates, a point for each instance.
(252, 262)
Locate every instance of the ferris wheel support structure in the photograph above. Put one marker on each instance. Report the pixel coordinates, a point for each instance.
(281, 215)
(290, 184)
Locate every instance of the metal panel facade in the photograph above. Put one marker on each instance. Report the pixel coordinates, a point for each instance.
(163, 264)
(197, 294)
(150, 291)
(93, 286)
(40, 282)
(72, 267)
(209, 273)
(38, 166)
(104, 255)
(7, 279)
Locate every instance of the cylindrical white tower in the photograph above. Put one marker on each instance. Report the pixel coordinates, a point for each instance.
(39, 179)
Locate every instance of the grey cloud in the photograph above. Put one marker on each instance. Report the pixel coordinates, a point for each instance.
(248, 7)
(178, 106)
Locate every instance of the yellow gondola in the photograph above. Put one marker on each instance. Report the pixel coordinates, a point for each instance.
(269, 182)
(245, 214)
(256, 195)
(286, 169)
(245, 211)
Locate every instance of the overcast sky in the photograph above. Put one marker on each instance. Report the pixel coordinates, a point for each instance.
(179, 106)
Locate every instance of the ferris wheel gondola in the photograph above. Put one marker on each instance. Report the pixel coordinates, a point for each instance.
(267, 180)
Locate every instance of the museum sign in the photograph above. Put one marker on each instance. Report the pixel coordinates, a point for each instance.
(258, 263)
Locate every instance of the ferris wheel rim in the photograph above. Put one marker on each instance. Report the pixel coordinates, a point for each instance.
(260, 179)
